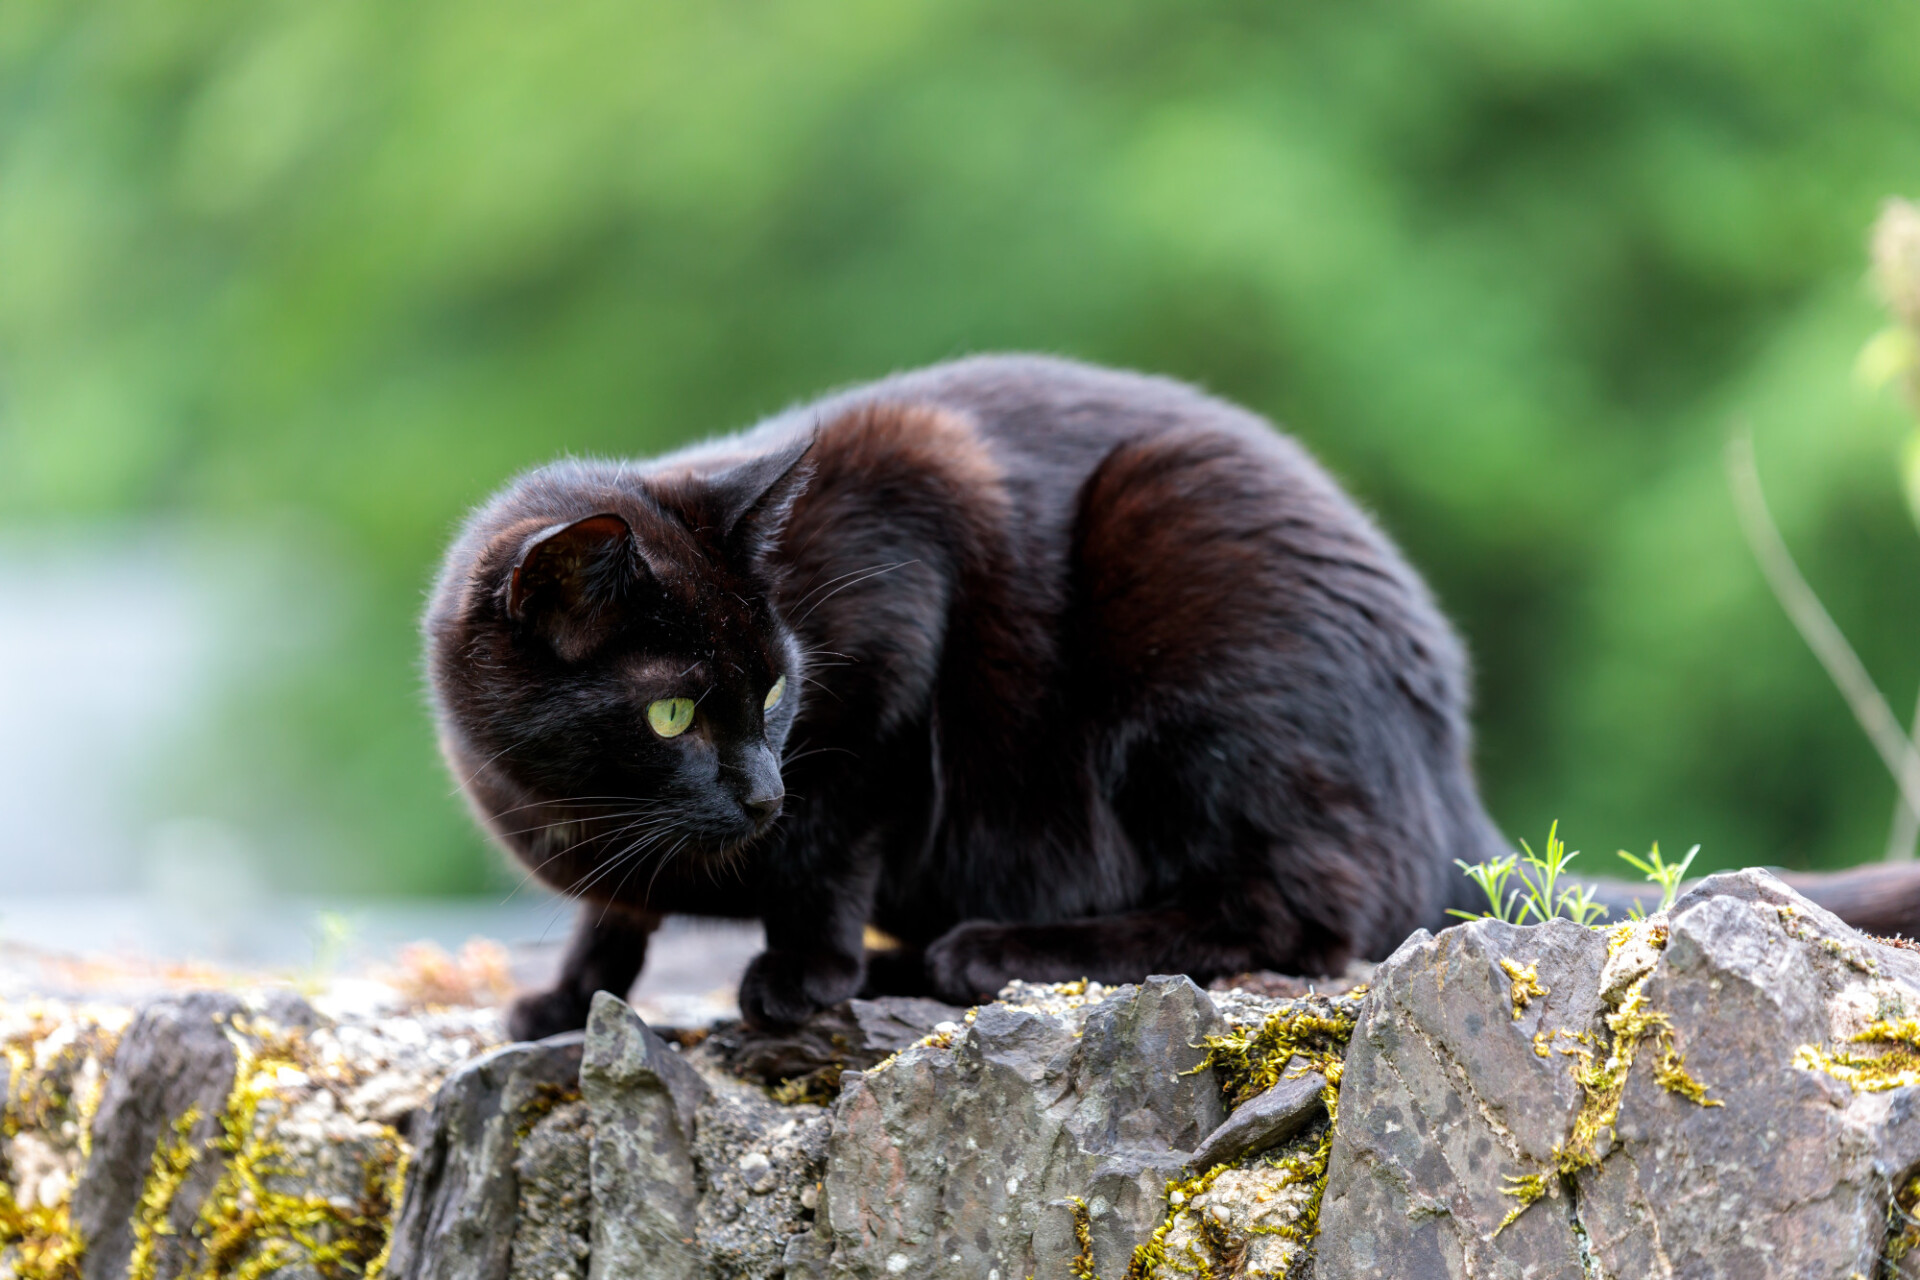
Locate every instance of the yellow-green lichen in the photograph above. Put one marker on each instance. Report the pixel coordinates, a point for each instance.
(545, 1099)
(1903, 1227)
(246, 1227)
(173, 1159)
(1151, 1256)
(1603, 1079)
(1670, 1073)
(1528, 1189)
(1896, 1067)
(1192, 1241)
(818, 1087)
(1081, 1268)
(54, 1077)
(1249, 1063)
(1526, 983)
(392, 1190)
(45, 1244)
(945, 1033)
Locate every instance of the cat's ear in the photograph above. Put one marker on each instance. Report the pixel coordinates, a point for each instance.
(568, 575)
(756, 496)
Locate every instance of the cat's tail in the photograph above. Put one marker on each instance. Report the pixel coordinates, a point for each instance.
(1881, 898)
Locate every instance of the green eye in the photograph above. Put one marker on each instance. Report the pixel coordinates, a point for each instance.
(670, 716)
(774, 694)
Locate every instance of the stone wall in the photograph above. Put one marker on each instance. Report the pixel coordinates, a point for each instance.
(1722, 1090)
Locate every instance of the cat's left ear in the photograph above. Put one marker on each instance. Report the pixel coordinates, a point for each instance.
(756, 496)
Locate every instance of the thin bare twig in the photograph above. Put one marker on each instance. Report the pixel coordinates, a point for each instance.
(1817, 627)
(1906, 819)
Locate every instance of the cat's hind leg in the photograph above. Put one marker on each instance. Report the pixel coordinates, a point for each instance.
(974, 960)
(896, 971)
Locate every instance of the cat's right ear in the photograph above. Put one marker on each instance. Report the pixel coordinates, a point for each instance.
(568, 576)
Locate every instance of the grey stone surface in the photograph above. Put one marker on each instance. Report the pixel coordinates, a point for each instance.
(1444, 1097)
(807, 1256)
(309, 1121)
(553, 1228)
(642, 1101)
(961, 1160)
(175, 1057)
(1445, 1100)
(758, 1164)
(966, 1152)
(1791, 1176)
(1265, 1121)
(456, 1219)
(852, 1035)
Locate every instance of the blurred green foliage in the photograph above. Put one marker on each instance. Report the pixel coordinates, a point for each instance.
(334, 270)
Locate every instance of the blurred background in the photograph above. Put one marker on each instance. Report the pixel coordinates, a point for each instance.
(286, 287)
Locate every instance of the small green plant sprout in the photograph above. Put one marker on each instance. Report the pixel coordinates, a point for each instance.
(1661, 872)
(1545, 878)
(1538, 894)
(1577, 905)
(1492, 878)
(333, 934)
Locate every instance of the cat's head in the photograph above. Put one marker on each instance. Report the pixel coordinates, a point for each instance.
(613, 688)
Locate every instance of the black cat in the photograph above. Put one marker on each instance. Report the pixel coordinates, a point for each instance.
(1048, 671)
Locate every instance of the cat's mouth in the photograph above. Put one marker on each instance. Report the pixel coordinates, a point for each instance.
(596, 850)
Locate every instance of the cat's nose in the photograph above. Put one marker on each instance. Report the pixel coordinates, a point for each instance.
(763, 791)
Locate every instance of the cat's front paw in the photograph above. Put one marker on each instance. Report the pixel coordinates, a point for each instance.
(784, 988)
(540, 1014)
(971, 962)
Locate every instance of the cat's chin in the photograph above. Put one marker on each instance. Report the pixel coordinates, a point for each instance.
(702, 856)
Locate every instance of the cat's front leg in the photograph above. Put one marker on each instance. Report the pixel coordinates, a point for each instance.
(815, 953)
(605, 953)
(783, 988)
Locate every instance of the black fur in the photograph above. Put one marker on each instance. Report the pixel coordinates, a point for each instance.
(1089, 674)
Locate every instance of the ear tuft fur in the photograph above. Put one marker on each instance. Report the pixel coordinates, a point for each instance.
(565, 577)
(758, 495)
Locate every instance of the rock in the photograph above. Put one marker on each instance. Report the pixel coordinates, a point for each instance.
(807, 1256)
(1265, 1121)
(174, 1061)
(457, 1217)
(1286, 986)
(243, 1133)
(1791, 1174)
(642, 1101)
(1727, 1090)
(963, 1157)
(1445, 1094)
(757, 1161)
(850, 1036)
(1726, 1120)
(1239, 1224)
(553, 1228)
